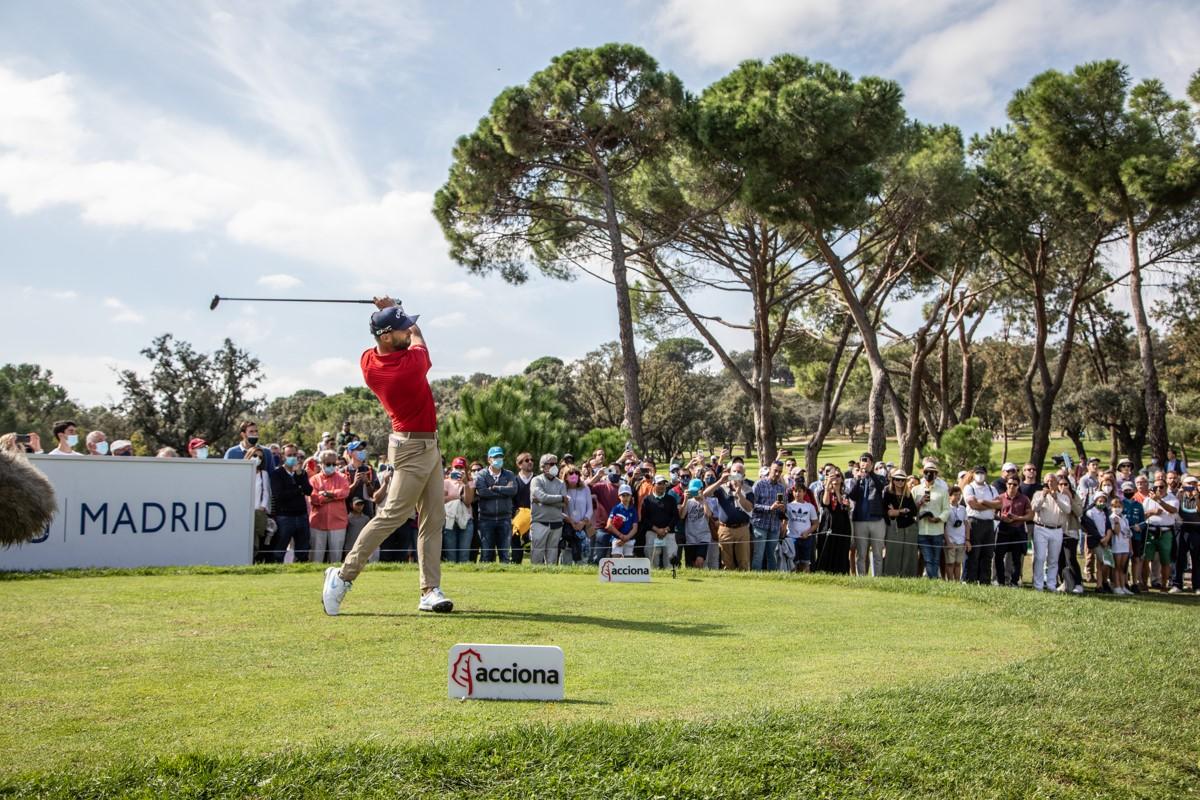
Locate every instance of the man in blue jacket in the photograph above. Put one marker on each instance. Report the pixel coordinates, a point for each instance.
(866, 489)
(495, 488)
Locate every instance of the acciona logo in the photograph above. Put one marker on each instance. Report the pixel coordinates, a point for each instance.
(624, 570)
(505, 672)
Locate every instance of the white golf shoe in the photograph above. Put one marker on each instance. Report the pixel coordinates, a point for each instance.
(435, 601)
(334, 591)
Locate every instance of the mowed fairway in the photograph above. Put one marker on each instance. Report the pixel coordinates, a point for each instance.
(234, 682)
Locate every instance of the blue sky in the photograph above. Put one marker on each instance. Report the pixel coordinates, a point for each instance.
(155, 153)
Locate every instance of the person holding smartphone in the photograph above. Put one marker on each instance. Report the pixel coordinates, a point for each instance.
(765, 521)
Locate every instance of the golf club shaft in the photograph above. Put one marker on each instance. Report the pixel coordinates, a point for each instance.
(292, 300)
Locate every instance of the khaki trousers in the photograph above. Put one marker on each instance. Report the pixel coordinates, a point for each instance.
(735, 547)
(416, 486)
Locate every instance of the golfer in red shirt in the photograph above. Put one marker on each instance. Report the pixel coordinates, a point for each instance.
(395, 370)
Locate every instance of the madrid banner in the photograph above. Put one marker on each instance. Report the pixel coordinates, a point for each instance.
(142, 512)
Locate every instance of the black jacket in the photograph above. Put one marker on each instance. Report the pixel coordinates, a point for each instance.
(288, 490)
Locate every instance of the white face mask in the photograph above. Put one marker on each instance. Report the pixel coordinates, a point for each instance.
(881, 471)
(980, 478)
(553, 471)
(201, 452)
(736, 477)
(255, 460)
(102, 448)
(72, 440)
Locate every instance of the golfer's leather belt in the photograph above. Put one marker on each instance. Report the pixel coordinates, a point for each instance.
(1049, 527)
(406, 435)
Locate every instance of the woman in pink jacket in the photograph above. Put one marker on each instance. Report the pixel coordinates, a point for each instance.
(327, 510)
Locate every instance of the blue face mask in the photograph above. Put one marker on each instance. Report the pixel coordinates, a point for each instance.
(498, 463)
(361, 455)
(290, 461)
(329, 469)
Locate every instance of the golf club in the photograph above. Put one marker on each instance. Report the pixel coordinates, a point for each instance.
(217, 299)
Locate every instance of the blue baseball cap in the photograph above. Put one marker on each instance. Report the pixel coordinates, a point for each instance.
(391, 319)
(356, 446)
(695, 485)
(495, 451)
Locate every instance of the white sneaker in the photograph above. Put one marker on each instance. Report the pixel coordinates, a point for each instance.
(434, 600)
(334, 592)
(1121, 590)
(1174, 590)
(1078, 589)
(1062, 588)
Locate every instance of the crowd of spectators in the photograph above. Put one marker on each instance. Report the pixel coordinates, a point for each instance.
(1123, 531)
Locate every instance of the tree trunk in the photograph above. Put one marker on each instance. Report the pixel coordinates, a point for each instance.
(632, 420)
(1076, 438)
(1114, 450)
(1004, 451)
(1156, 406)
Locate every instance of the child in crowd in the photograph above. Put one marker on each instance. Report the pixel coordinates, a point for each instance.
(697, 535)
(1120, 541)
(956, 537)
(356, 520)
(802, 519)
(1098, 527)
(622, 523)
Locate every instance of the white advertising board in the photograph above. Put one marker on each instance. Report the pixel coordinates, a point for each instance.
(505, 672)
(624, 570)
(142, 512)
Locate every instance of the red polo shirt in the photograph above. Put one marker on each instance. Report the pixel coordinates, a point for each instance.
(398, 380)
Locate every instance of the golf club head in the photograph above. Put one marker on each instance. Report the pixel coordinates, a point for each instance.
(213, 305)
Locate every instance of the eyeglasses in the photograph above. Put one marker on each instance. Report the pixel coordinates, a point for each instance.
(1013, 483)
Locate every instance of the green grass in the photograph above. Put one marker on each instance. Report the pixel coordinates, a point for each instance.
(207, 683)
(841, 451)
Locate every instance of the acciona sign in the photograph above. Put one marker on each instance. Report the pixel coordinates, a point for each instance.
(505, 672)
(624, 570)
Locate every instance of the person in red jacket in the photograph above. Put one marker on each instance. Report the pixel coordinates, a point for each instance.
(327, 510)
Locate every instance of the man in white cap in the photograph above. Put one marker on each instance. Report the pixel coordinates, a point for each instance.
(983, 501)
(122, 447)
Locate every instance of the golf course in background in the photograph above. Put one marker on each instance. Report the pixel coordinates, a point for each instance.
(231, 683)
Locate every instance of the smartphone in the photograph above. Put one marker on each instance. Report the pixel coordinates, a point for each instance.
(779, 497)
(22, 438)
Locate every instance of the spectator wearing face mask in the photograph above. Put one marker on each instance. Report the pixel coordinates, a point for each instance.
(1135, 515)
(290, 490)
(548, 512)
(122, 448)
(933, 510)
(362, 478)
(733, 508)
(97, 443)
(866, 490)
(263, 529)
(249, 438)
(578, 531)
(495, 488)
(198, 448)
(327, 514)
(659, 515)
(697, 535)
(457, 493)
(67, 435)
(983, 503)
(1188, 542)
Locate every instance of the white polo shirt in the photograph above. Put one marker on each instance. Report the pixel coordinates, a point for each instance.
(1156, 515)
(984, 493)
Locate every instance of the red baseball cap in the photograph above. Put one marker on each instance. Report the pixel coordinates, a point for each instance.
(458, 462)
(196, 442)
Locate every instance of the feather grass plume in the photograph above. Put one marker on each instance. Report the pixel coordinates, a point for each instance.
(27, 500)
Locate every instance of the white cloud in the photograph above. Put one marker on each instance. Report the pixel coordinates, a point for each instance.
(718, 33)
(280, 280)
(90, 379)
(451, 320)
(335, 367)
(478, 353)
(122, 312)
(951, 57)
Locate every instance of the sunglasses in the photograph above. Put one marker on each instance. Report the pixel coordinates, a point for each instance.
(1013, 483)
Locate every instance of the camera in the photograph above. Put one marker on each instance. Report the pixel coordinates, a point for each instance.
(22, 438)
